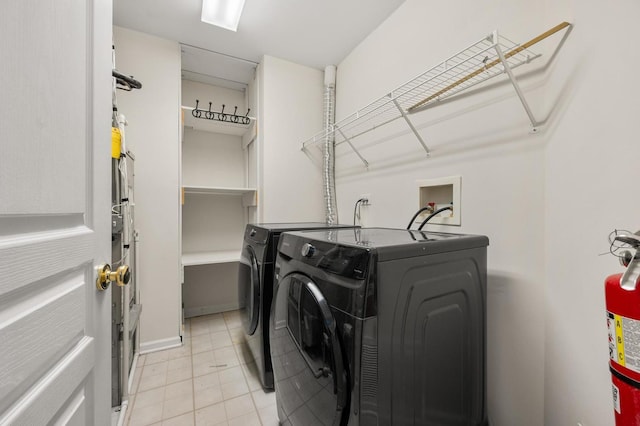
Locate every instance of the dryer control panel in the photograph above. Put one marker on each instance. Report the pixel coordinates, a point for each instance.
(350, 262)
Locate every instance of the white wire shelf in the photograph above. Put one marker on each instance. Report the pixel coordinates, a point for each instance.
(483, 60)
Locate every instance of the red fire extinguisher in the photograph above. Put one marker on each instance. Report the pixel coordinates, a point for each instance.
(622, 294)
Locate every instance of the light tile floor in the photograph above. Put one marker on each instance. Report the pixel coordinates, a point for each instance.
(210, 380)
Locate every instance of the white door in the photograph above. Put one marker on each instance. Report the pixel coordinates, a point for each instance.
(55, 108)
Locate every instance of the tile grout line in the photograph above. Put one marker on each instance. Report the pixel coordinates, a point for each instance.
(193, 381)
(244, 375)
(192, 387)
(234, 351)
(237, 349)
(242, 370)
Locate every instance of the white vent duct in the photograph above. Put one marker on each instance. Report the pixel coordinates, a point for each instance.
(328, 164)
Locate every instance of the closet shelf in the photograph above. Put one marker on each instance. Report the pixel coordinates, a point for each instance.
(214, 190)
(483, 60)
(249, 195)
(210, 257)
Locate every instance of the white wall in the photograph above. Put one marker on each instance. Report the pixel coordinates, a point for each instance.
(590, 155)
(290, 108)
(153, 114)
(546, 201)
(210, 289)
(218, 96)
(212, 222)
(212, 159)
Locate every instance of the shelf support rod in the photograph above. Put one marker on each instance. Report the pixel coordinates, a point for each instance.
(514, 82)
(366, 163)
(413, 129)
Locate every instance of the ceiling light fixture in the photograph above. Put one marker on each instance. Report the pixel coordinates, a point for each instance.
(222, 13)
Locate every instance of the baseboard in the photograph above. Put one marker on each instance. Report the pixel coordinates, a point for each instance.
(211, 309)
(159, 345)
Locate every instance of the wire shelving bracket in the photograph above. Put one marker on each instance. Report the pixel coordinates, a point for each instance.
(485, 59)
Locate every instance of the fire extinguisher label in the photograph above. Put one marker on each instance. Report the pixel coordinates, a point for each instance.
(612, 336)
(616, 398)
(624, 341)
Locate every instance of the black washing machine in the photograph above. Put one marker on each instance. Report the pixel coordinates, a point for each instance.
(255, 286)
(380, 327)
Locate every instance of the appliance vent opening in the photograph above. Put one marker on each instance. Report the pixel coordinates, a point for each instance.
(369, 373)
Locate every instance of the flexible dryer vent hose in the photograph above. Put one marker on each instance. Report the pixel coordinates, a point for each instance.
(328, 169)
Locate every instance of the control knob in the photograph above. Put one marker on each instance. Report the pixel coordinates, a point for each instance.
(308, 250)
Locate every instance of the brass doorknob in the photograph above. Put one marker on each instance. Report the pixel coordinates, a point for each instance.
(106, 276)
